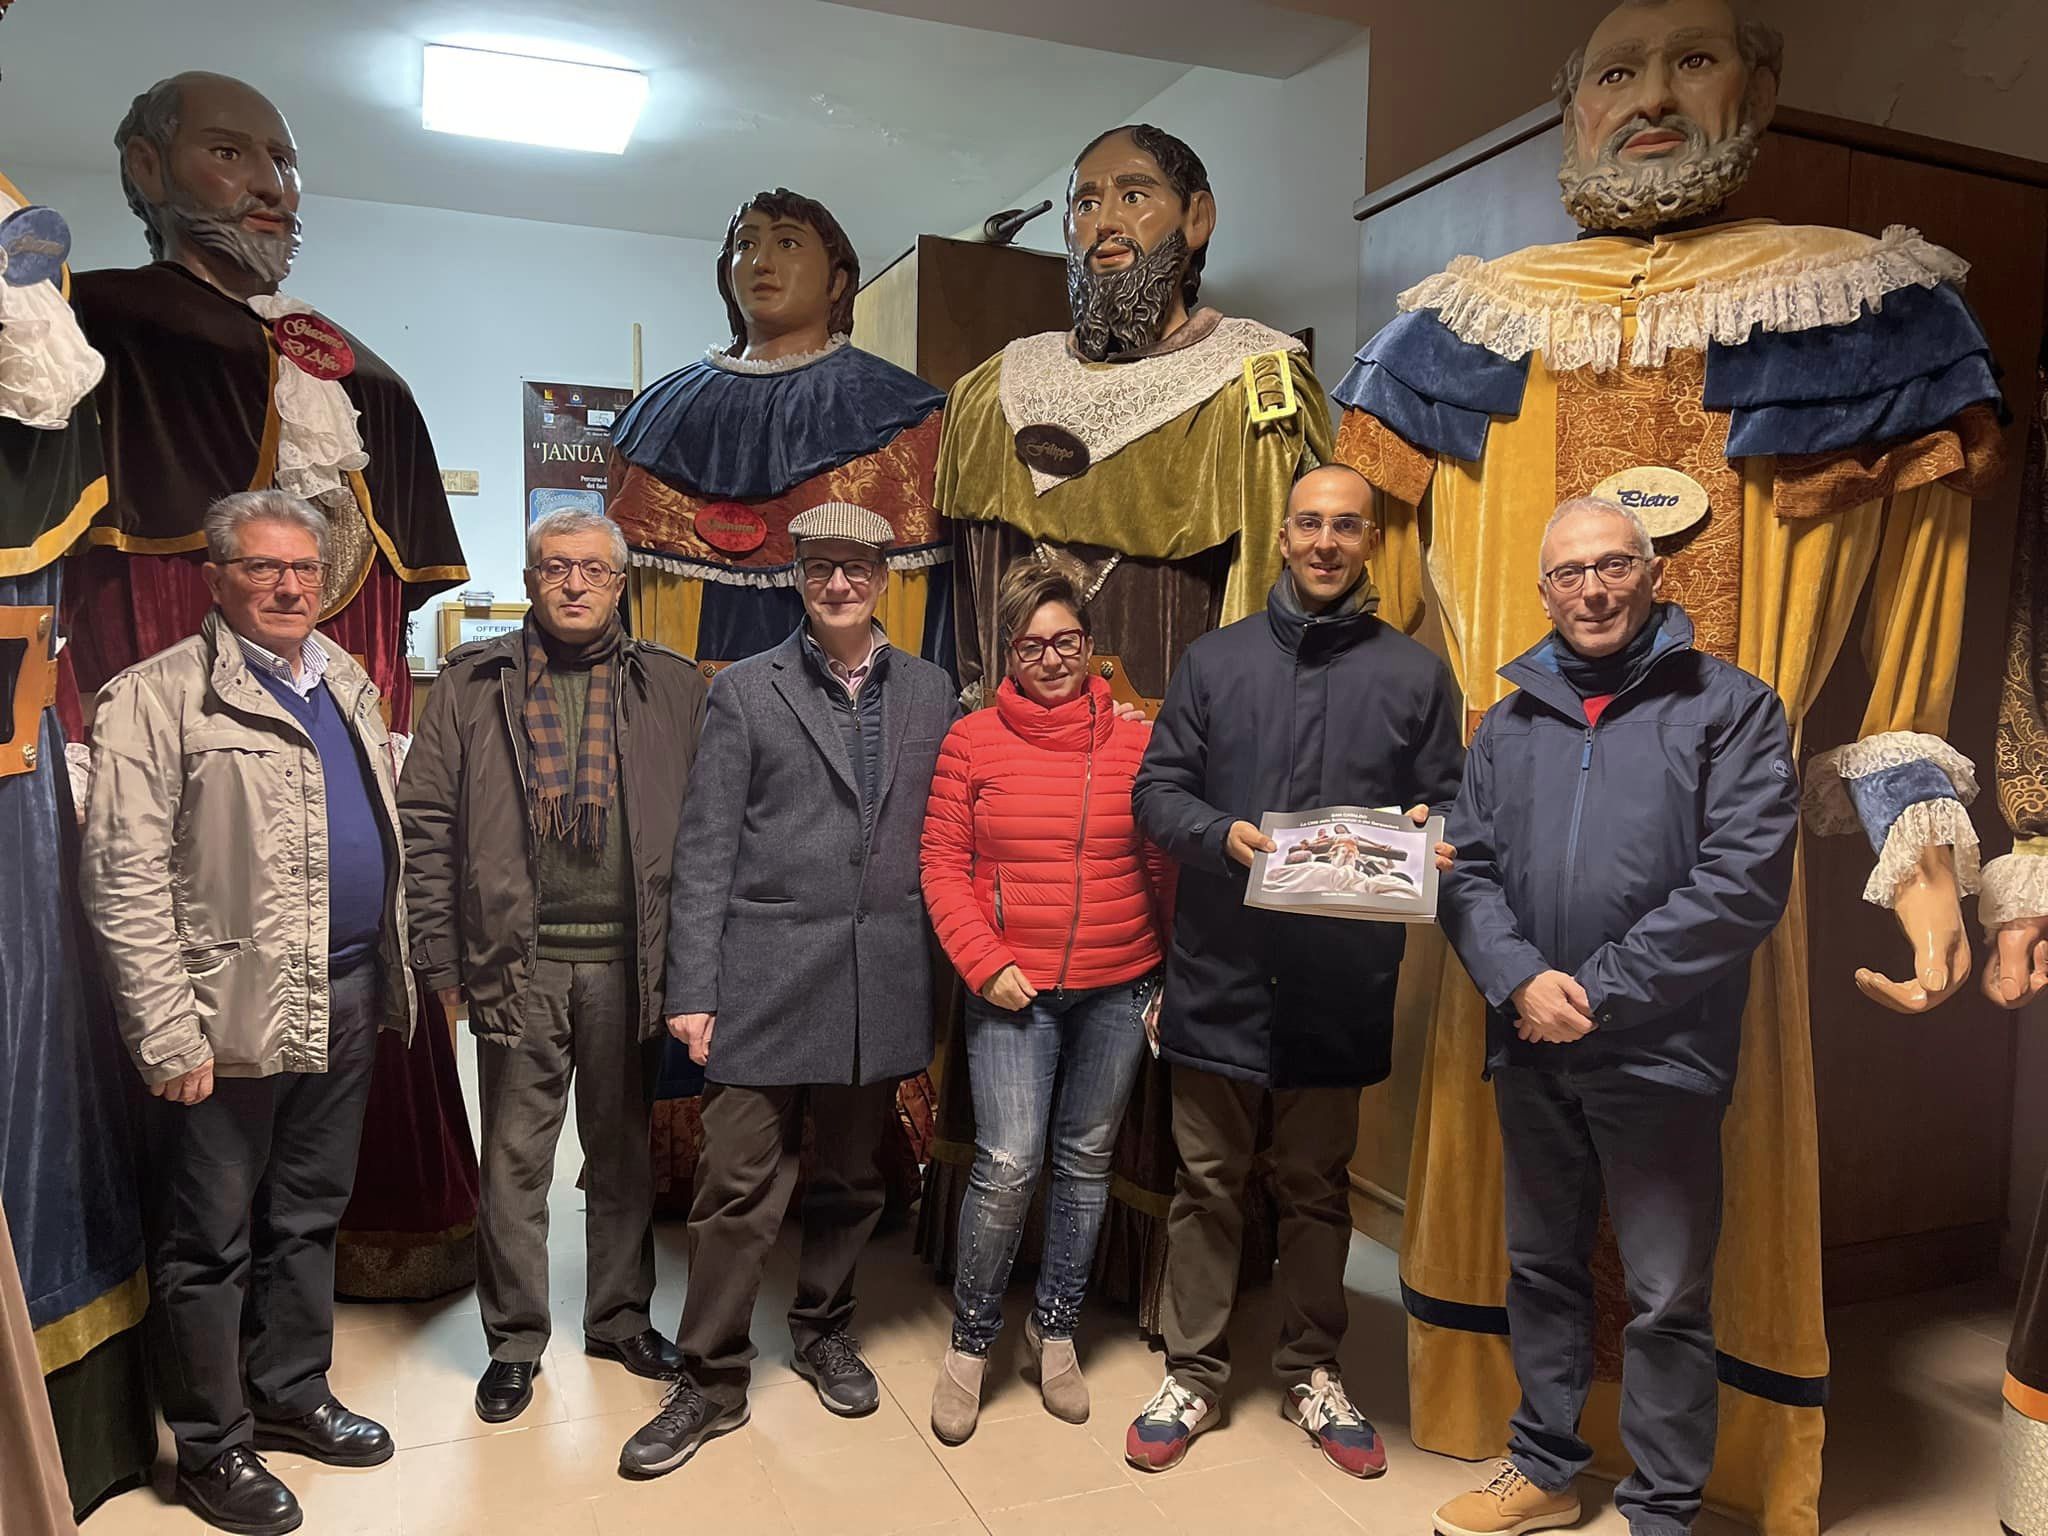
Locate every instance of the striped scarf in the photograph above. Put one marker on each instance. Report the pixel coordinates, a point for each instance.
(578, 813)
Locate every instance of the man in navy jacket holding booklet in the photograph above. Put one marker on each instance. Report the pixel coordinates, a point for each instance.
(1312, 703)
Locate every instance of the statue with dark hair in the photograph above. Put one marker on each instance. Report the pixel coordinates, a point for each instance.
(1132, 445)
(711, 464)
(842, 262)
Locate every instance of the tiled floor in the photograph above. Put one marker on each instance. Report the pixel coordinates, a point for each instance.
(1912, 1435)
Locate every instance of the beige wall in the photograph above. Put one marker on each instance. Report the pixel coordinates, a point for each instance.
(1972, 71)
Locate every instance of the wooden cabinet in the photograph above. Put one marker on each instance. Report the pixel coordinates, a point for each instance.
(946, 305)
(1915, 1114)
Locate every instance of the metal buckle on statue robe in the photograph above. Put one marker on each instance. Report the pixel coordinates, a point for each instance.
(1269, 387)
(35, 686)
(1667, 500)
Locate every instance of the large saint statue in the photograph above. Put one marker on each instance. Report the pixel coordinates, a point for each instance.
(1155, 443)
(217, 381)
(67, 1187)
(2013, 907)
(1802, 415)
(711, 462)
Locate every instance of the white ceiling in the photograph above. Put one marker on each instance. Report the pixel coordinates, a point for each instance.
(902, 124)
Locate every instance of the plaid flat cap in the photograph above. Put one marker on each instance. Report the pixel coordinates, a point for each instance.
(842, 520)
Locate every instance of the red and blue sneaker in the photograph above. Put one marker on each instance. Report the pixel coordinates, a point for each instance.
(1320, 1408)
(1159, 1435)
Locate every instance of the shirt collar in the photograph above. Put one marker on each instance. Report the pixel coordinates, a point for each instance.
(849, 678)
(312, 664)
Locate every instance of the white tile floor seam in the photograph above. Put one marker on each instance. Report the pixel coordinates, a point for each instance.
(1912, 1429)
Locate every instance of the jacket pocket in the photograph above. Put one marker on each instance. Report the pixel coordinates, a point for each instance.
(204, 959)
(999, 898)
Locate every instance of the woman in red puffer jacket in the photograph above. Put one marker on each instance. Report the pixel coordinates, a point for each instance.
(1054, 908)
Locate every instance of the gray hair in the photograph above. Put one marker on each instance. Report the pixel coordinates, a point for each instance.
(1645, 545)
(152, 116)
(570, 520)
(226, 519)
(1761, 47)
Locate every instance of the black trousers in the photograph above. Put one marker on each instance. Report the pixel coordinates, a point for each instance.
(753, 1140)
(248, 1191)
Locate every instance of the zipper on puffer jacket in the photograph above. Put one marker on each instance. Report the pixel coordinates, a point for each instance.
(1080, 848)
(999, 898)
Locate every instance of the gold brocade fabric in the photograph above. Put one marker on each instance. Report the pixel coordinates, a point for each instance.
(894, 482)
(667, 608)
(1797, 584)
(1607, 423)
(1207, 476)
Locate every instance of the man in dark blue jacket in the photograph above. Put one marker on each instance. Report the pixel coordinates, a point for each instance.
(1313, 702)
(1625, 837)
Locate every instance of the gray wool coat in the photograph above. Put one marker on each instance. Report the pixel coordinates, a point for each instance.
(806, 939)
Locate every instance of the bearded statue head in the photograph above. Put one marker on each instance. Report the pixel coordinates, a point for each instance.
(1663, 110)
(1139, 216)
(210, 168)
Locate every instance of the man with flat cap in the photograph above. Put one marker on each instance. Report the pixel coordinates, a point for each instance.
(798, 971)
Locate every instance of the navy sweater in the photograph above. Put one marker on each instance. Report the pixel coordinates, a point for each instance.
(358, 864)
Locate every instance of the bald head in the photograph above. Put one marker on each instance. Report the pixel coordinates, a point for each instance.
(211, 169)
(1332, 487)
(1328, 534)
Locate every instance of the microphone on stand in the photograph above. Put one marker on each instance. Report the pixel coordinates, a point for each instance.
(1001, 228)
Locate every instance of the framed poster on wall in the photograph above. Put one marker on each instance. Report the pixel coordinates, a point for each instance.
(567, 431)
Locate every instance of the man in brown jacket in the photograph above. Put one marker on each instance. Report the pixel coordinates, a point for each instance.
(540, 803)
(241, 865)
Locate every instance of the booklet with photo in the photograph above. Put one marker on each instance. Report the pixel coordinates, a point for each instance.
(1345, 861)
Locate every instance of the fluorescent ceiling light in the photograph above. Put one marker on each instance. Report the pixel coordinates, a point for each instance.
(531, 101)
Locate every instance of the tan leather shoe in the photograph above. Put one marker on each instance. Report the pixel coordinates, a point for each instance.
(1507, 1506)
(1059, 1375)
(956, 1399)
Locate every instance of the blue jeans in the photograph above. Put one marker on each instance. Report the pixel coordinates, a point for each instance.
(1064, 1064)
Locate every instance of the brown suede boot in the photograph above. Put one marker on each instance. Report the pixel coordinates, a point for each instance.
(1059, 1375)
(1509, 1505)
(956, 1399)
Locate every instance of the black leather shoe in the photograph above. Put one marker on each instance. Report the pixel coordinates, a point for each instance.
(645, 1354)
(330, 1433)
(506, 1389)
(833, 1365)
(235, 1492)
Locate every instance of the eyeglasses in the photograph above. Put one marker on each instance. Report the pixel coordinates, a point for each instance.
(1611, 569)
(818, 570)
(264, 572)
(1030, 648)
(1344, 529)
(555, 570)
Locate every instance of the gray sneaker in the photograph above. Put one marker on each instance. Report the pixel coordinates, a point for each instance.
(832, 1364)
(685, 1421)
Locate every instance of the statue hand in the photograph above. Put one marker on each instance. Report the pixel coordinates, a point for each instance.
(2017, 968)
(1930, 913)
